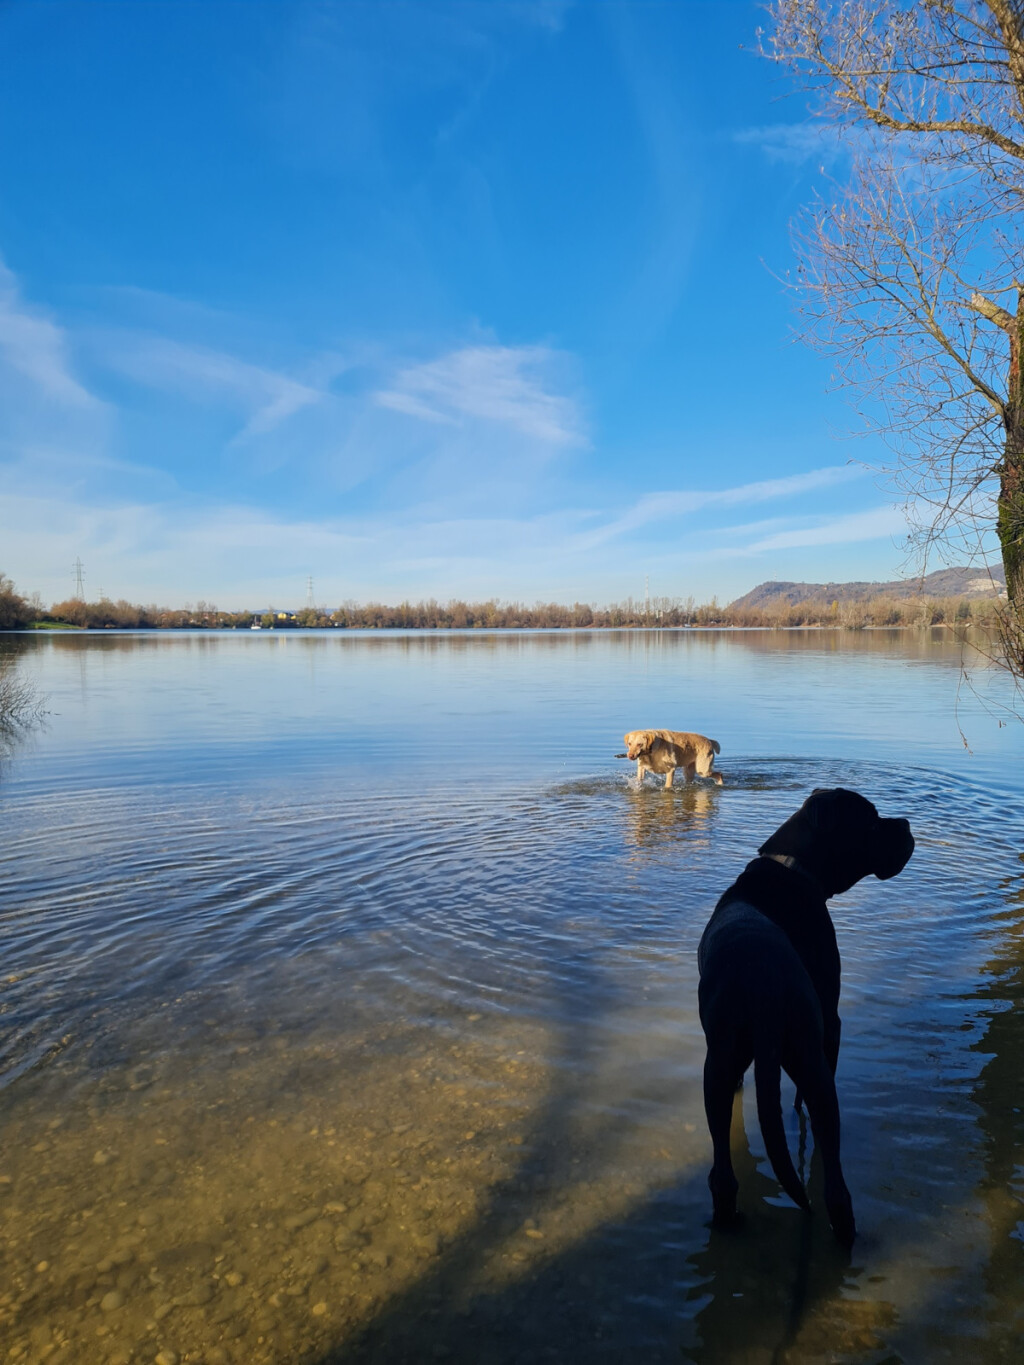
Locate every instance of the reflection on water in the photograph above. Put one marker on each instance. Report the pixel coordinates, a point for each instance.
(348, 1006)
(21, 706)
(663, 816)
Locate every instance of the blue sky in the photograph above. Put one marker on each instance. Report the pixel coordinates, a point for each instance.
(425, 299)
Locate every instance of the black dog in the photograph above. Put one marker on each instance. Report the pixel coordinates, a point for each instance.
(769, 985)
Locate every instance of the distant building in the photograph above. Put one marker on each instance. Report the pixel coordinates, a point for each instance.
(277, 618)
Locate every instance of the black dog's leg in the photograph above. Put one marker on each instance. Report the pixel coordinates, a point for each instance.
(823, 1107)
(833, 1030)
(722, 1075)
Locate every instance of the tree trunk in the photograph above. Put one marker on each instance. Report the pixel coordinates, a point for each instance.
(1010, 506)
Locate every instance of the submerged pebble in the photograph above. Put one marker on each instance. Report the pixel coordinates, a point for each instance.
(195, 1297)
(295, 1221)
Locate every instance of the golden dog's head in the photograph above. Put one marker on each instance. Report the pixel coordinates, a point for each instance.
(638, 742)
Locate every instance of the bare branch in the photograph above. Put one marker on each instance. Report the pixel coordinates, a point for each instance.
(992, 311)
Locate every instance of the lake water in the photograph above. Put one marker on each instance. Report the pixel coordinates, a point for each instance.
(348, 1002)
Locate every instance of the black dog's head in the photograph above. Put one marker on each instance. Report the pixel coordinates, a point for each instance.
(839, 837)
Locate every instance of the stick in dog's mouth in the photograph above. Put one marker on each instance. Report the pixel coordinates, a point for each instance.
(622, 755)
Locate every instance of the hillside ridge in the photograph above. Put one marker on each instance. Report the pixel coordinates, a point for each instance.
(961, 581)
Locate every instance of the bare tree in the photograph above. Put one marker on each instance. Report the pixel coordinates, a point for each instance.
(15, 612)
(912, 268)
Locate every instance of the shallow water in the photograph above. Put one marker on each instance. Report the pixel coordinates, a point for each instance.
(348, 1002)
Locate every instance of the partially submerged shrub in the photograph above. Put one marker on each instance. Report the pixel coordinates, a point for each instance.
(20, 703)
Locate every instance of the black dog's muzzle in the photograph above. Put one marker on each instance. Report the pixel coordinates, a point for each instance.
(897, 846)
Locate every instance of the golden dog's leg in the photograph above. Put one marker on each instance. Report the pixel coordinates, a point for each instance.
(689, 770)
(669, 776)
(639, 771)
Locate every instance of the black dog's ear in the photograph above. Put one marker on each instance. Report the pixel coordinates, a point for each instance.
(814, 808)
(827, 805)
(797, 836)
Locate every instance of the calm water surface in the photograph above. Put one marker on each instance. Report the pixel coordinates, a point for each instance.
(348, 1003)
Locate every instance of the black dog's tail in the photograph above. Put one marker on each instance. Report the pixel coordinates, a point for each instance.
(768, 1087)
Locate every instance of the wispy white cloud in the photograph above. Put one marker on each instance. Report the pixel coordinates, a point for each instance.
(35, 347)
(676, 503)
(874, 524)
(545, 14)
(54, 431)
(67, 469)
(240, 555)
(509, 386)
(797, 143)
(516, 403)
(345, 74)
(265, 397)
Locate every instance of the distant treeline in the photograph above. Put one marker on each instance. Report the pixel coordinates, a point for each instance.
(495, 615)
(17, 612)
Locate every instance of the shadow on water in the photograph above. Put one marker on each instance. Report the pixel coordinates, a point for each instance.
(769, 1292)
(494, 1295)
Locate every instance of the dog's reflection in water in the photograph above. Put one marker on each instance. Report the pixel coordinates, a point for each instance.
(659, 816)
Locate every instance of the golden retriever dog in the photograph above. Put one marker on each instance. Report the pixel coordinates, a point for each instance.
(663, 751)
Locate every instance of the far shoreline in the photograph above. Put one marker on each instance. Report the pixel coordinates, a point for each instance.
(283, 631)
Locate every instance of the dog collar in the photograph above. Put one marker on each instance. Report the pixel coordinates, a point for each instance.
(787, 860)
